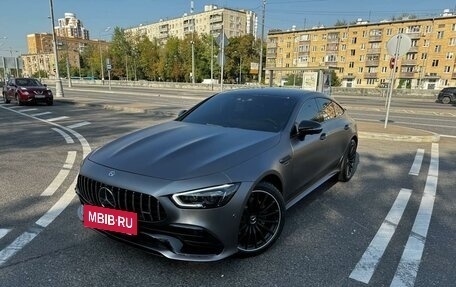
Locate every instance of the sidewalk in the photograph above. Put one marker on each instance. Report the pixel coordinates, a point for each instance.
(366, 130)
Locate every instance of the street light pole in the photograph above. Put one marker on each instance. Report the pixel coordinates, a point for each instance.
(260, 72)
(193, 42)
(58, 81)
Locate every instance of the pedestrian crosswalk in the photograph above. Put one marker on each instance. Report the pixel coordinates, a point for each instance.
(47, 116)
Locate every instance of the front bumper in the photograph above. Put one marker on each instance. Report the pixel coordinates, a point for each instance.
(176, 233)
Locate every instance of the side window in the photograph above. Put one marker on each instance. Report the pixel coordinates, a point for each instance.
(339, 110)
(308, 112)
(326, 109)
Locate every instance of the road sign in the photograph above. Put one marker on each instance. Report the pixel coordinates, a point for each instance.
(109, 67)
(222, 37)
(399, 45)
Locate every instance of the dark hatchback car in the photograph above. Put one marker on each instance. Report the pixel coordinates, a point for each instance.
(27, 91)
(447, 95)
(217, 180)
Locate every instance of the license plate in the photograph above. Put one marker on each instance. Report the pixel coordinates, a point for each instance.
(110, 219)
(39, 96)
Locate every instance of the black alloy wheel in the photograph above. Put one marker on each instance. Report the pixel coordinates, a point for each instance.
(349, 162)
(262, 220)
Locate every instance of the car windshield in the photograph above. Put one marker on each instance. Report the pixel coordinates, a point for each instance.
(28, 82)
(245, 111)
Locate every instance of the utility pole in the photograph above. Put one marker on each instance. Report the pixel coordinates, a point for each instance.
(58, 81)
(260, 71)
(193, 42)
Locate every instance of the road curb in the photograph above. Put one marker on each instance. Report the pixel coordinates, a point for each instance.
(434, 138)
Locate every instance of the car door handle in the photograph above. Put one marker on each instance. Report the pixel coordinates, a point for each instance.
(346, 127)
(323, 137)
(285, 160)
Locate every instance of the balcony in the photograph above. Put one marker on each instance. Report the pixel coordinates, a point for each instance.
(216, 19)
(414, 35)
(333, 40)
(331, 63)
(370, 75)
(304, 53)
(372, 63)
(407, 75)
(216, 27)
(375, 38)
(163, 28)
(372, 51)
(413, 49)
(271, 55)
(304, 42)
(271, 45)
(453, 76)
(409, 62)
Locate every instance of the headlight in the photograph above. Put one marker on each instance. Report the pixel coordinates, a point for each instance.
(210, 197)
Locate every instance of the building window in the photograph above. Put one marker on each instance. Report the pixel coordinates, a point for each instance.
(353, 40)
(440, 35)
(389, 32)
(358, 81)
(364, 34)
(401, 30)
(384, 69)
(441, 26)
(344, 35)
(314, 48)
(449, 55)
(438, 48)
(428, 29)
(322, 48)
(423, 56)
(351, 64)
(371, 81)
(447, 69)
(343, 47)
(435, 63)
(288, 45)
(362, 58)
(452, 42)
(363, 46)
(342, 59)
(360, 69)
(352, 52)
(426, 43)
(324, 36)
(287, 55)
(315, 37)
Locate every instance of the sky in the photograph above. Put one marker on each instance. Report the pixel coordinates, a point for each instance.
(22, 17)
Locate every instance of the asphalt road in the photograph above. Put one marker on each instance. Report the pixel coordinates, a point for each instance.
(323, 241)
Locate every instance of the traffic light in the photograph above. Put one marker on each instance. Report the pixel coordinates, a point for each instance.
(392, 63)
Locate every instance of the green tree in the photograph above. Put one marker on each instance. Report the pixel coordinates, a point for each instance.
(120, 54)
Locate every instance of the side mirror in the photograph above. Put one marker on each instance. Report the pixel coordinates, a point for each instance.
(45, 85)
(308, 128)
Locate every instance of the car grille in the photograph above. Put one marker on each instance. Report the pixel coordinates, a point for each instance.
(147, 207)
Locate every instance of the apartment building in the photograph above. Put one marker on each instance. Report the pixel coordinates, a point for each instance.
(40, 56)
(71, 27)
(211, 21)
(359, 56)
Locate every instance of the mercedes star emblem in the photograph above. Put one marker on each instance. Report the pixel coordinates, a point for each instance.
(111, 173)
(106, 197)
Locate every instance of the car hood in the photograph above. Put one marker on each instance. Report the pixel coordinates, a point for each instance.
(178, 150)
(35, 88)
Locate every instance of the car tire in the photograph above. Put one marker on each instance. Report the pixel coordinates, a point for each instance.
(19, 102)
(348, 163)
(262, 220)
(446, 100)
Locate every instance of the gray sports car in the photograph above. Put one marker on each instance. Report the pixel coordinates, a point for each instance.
(218, 179)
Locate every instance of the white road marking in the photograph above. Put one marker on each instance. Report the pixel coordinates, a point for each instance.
(16, 245)
(368, 263)
(416, 166)
(55, 210)
(58, 207)
(28, 110)
(41, 114)
(411, 257)
(3, 232)
(68, 139)
(57, 119)
(77, 125)
(61, 176)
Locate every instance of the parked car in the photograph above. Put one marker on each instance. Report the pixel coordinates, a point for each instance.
(217, 180)
(447, 95)
(27, 90)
